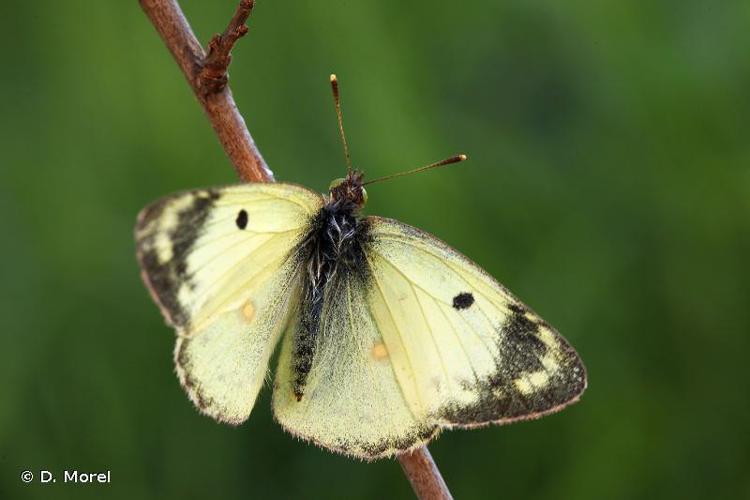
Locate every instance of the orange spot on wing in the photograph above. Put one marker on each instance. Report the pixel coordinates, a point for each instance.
(379, 351)
(248, 311)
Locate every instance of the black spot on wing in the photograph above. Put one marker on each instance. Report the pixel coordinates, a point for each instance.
(242, 219)
(463, 300)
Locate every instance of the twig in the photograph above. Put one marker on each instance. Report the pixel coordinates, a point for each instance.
(213, 76)
(207, 76)
(170, 22)
(424, 475)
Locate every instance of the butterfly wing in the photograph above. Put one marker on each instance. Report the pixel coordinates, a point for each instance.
(353, 403)
(221, 265)
(465, 351)
(435, 342)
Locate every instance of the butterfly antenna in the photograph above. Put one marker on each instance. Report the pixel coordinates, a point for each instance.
(442, 163)
(340, 116)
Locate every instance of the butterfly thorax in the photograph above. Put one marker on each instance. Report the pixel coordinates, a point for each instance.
(334, 248)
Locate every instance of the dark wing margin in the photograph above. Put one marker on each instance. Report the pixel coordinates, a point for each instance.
(163, 244)
(522, 387)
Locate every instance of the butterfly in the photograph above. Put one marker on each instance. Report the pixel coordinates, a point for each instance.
(388, 335)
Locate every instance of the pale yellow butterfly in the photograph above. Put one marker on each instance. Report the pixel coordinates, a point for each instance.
(388, 335)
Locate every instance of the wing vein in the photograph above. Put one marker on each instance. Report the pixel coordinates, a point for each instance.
(401, 339)
(198, 298)
(500, 290)
(432, 334)
(458, 274)
(458, 339)
(362, 352)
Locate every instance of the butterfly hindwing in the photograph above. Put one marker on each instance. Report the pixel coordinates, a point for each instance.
(220, 264)
(352, 403)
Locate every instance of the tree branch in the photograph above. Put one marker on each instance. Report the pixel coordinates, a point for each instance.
(424, 475)
(207, 76)
(170, 22)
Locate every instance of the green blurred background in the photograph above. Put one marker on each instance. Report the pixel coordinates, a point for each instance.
(608, 187)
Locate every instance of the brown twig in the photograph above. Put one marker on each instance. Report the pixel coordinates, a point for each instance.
(207, 76)
(213, 76)
(424, 475)
(170, 22)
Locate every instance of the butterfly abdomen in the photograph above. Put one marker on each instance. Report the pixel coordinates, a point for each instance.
(333, 248)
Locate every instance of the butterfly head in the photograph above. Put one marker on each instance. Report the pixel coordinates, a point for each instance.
(349, 191)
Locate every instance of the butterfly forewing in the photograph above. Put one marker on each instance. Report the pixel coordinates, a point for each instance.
(221, 265)
(465, 351)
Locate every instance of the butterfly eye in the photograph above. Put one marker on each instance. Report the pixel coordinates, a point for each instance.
(364, 195)
(335, 182)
